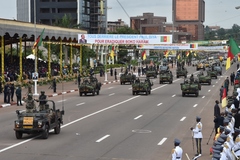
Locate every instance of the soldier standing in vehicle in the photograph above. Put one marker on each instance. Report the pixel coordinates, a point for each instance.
(191, 79)
(42, 101)
(30, 104)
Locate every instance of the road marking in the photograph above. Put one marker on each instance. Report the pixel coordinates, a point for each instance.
(162, 141)
(130, 88)
(182, 119)
(101, 139)
(209, 90)
(174, 95)
(80, 104)
(213, 86)
(138, 117)
(203, 96)
(110, 87)
(195, 105)
(62, 100)
(159, 104)
(111, 94)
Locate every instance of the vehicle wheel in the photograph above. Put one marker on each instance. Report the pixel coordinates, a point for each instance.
(57, 129)
(18, 134)
(177, 76)
(185, 76)
(80, 93)
(183, 94)
(197, 94)
(171, 82)
(209, 83)
(121, 83)
(160, 82)
(98, 92)
(149, 91)
(45, 132)
(216, 77)
(93, 93)
(133, 93)
(146, 92)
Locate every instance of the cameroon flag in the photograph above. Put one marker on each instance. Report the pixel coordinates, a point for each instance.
(224, 98)
(165, 39)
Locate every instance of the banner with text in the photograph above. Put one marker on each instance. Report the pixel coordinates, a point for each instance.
(174, 46)
(124, 39)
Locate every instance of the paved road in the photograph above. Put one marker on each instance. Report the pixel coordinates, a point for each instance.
(117, 125)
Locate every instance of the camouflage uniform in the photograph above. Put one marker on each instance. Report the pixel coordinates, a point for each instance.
(30, 105)
(42, 103)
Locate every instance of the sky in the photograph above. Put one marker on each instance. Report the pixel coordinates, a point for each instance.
(218, 12)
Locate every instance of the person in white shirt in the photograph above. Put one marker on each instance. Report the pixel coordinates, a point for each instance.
(197, 135)
(177, 151)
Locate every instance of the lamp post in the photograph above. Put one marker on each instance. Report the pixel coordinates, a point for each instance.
(35, 60)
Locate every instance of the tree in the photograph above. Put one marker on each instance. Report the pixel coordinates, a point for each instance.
(125, 30)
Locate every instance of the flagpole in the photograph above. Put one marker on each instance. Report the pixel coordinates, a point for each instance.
(35, 61)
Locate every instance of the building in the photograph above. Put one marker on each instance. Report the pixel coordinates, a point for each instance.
(148, 23)
(188, 17)
(112, 26)
(90, 14)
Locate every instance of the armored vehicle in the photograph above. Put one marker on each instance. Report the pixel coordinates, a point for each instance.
(41, 121)
(142, 86)
(204, 78)
(163, 69)
(166, 76)
(127, 78)
(212, 73)
(218, 69)
(151, 73)
(200, 65)
(89, 85)
(181, 72)
(190, 87)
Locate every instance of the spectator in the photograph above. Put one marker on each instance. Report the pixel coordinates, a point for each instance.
(79, 79)
(216, 109)
(111, 71)
(232, 77)
(19, 95)
(221, 93)
(115, 73)
(218, 121)
(12, 91)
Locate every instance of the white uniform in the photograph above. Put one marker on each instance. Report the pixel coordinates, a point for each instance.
(177, 153)
(236, 147)
(228, 151)
(223, 156)
(197, 131)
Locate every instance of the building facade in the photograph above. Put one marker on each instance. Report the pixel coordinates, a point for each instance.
(112, 26)
(90, 14)
(189, 16)
(148, 23)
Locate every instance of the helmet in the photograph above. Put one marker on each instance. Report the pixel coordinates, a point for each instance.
(42, 92)
(30, 96)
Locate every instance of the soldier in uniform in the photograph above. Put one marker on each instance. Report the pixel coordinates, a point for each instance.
(30, 105)
(42, 101)
(191, 78)
(29, 87)
(177, 151)
(236, 147)
(197, 135)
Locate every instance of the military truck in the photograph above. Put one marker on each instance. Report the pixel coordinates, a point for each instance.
(39, 121)
(181, 72)
(127, 78)
(166, 76)
(204, 79)
(189, 87)
(89, 85)
(212, 73)
(218, 69)
(151, 73)
(163, 69)
(142, 86)
(200, 65)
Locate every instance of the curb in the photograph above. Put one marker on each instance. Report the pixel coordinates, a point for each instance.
(53, 95)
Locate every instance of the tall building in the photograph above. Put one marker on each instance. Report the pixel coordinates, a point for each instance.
(188, 16)
(147, 23)
(90, 14)
(112, 26)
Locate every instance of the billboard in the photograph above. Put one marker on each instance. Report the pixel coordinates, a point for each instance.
(174, 46)
(124, 39)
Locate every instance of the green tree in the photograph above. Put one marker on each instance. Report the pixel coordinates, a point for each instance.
(125, 30)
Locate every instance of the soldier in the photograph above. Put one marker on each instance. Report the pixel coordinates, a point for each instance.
(19, 95)
(29, 87)
(197, 135)
(30, 104)
(137, 80)
(54, 85)
(236, 147)
(177, 151)
(115, 74)
(191, 78)
(42, 101)
(79, 79)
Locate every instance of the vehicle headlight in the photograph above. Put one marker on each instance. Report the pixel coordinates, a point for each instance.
(17, 124)
(39, 123)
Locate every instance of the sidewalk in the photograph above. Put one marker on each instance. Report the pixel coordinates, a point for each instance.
(62, 88)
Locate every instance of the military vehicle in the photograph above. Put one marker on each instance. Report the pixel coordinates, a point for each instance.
(218, 69)
(204, 78)
(163, 69)
(142, 86)
(89, 85)
(39, 121)
(127, 78)
(181, 72)
(151, 73)
(212, 73)
(200, 65)
(166, 76)
(189, 87)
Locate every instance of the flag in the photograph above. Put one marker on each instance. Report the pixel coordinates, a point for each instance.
(195, 54)
(193, 45)
(178, 57)
(38, 41)
(101, 7)
(238, 57)
(165, 39)
(111, 48)
(233, 50)
(166, 53)
(144, 56)
(224, 98)
(187, 54)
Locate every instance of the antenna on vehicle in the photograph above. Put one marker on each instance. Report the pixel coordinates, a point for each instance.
(62, 96)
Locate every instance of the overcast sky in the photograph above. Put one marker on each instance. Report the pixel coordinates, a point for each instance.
(218, 12)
